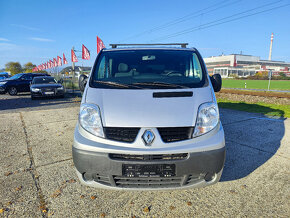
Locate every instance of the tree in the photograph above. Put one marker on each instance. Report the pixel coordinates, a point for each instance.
(13, 67)
(28, 67)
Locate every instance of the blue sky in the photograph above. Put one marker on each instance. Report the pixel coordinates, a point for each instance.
(39, 30)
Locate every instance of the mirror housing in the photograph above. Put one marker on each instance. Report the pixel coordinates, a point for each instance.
(216, 81)
(83, 79)
(60, 81)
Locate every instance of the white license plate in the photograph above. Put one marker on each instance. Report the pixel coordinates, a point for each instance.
(48, 93)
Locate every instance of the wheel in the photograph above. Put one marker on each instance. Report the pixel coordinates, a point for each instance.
(12, 91)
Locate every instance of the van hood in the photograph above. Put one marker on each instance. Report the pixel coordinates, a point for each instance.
(138, 108)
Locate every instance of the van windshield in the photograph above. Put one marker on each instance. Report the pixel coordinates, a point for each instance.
(149, 69)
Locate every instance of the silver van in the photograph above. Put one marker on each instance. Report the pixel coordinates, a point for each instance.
(149, 120)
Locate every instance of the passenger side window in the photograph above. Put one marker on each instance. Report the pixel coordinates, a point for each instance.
(27, 77)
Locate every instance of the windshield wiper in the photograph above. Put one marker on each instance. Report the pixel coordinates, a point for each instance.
(116, 84)
(110, 83)
(164, 84)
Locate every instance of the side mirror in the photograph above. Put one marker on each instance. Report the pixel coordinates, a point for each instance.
(60, 81)
(216, 81)
(82, 82)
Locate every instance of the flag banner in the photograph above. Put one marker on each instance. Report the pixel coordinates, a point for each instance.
(64, 60)
(50, 63)
(85, 53)
(100, 45)
(47, 64)
(73, 56)
(44, 66)
(54, 62)
(59, 61)
(39, 67)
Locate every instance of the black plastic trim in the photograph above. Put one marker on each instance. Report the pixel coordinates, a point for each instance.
(172, 94)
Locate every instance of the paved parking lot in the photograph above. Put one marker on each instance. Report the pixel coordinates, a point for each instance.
(37, 177)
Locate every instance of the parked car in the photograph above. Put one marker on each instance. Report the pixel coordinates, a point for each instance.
(4, 76)
(45, 86)
(18, 83)
(149, 120)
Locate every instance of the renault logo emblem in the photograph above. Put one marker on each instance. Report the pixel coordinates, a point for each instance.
(148, 137)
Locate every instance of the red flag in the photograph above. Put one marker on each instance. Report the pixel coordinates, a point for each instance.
(85, 53)
(64, 60)
(100, 45)
(54, 62)
(59, 61)
(42, 66)
(47, 64)
(73, 56)
(50, 63)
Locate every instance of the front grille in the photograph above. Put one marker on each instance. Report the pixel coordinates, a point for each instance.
(155, 157)
(126, 182)
(148, 182)
(174, 134)
(122, 134)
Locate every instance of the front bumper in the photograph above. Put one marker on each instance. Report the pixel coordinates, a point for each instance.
(3, 89)
(56, 93)
(203, 165)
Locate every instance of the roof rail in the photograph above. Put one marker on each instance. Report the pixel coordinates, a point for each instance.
(183, 45)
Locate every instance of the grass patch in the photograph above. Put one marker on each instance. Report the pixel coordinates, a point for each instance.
(257, 84)
(263, 108)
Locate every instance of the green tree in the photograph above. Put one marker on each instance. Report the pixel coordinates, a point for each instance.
(13, 67)
(28, 67)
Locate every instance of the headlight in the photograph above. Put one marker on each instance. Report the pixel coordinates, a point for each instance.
(3, 83)
(207, 118)
(90, 119)
(35, 89)
(60, 88)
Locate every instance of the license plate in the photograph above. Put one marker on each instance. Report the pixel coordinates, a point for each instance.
(149, 170)
(48, 93)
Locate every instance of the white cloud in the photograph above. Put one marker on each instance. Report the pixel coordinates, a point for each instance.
(4, 46)
(3, 39)
(25, 27)
(41, 39)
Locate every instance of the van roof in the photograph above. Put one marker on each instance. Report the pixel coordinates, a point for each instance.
(148, 48)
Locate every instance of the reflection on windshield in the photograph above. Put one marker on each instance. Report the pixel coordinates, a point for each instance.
(17, 76)
(46, 80)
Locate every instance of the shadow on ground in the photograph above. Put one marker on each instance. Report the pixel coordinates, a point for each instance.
(23, 102)
(251, 139)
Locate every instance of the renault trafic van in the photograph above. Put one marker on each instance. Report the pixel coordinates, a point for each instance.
(149, 120)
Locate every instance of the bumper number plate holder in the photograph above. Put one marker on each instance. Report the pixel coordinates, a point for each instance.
(148, 170)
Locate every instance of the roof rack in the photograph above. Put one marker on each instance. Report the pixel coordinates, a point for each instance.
(183, 45)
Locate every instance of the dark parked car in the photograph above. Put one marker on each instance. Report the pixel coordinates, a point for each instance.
(18, 83)
(46, 86)
(4, 76)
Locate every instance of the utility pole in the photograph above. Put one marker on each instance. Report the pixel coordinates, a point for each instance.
(269, 75)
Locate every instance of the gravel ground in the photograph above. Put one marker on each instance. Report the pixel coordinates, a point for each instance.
(37, 177)
(253, 99)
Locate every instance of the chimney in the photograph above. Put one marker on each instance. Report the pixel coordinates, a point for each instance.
(270, 52)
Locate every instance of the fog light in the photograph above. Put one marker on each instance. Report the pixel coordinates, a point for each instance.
(209, 177)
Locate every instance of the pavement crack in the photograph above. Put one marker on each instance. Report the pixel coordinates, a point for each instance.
(253, 118)
(33, 172)
(43, 165)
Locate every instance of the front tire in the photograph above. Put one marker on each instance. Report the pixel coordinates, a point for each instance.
(12, 91)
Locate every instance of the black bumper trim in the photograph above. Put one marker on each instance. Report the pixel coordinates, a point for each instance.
(94, 163)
